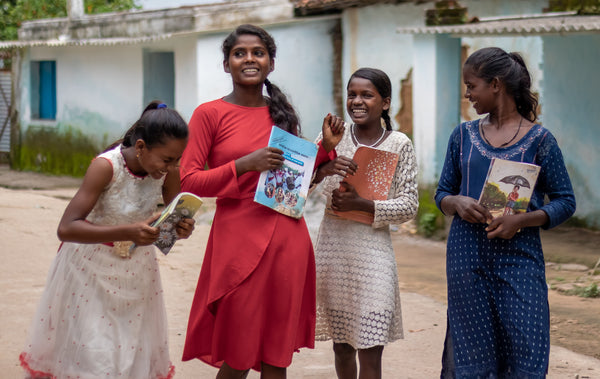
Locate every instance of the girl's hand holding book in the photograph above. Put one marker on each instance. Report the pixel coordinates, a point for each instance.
(467, 208)
(263, 159)
(341, 165)
(142, 233)
(347, 199)
(185, 228)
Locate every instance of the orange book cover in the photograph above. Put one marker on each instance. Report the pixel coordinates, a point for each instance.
(372, 180)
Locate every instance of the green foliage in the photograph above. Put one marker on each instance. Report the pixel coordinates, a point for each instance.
(429, 218)
(54, 152)
(14, 12)
(589, 291)
(493, 197)
(583, 7)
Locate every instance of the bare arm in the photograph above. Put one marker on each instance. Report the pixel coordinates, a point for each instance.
(74, 228)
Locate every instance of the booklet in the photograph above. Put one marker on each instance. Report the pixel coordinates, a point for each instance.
(508, 187)
(285, 189)
(372, 181)
(184, 205)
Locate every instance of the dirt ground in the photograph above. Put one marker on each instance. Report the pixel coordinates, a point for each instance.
(31, 205)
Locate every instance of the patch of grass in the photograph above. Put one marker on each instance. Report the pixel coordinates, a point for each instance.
(429, 218)
(590, 291)
(51, 151)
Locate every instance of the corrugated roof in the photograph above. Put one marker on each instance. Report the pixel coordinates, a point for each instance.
(533, 25)
(4, 45)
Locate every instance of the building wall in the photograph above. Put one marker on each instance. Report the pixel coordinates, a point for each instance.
(572, 113)
(99, 89)
(370, 39)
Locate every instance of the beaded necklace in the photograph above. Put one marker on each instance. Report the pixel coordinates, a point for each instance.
(505, 143)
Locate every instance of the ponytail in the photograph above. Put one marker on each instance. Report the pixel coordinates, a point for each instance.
(156, 123)
(281, 111)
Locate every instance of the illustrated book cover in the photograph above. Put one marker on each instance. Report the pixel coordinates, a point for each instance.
(184, 205)
(372, 180)
(508, 187)
(285, 189)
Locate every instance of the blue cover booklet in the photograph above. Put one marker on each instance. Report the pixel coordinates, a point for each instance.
(285, 189)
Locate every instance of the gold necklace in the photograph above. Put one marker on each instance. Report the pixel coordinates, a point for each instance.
(505, 143)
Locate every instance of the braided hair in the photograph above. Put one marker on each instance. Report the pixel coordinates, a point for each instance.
(280, 109)
(383, 85)
(492, 62)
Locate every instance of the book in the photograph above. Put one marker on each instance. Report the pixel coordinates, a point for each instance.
(508, 187)
(285, 188)
(184, 205)
(372, 180)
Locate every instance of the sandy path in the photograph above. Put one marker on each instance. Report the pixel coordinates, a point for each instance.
(28, 242)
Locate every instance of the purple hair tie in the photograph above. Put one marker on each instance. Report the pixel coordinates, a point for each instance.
(161, 105)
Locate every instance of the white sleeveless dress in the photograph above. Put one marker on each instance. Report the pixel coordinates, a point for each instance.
(102, 315)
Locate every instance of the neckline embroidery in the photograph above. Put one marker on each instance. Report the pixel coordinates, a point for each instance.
(501, 152)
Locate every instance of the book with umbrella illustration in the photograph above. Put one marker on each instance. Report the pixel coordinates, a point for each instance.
(508, 187)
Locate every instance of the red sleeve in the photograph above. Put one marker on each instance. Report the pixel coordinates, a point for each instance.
(323, 156)
(196, 177)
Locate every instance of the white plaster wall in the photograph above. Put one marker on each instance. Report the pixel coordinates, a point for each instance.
(424, 120)
(371, 40)
(99, 90)
(303, 69)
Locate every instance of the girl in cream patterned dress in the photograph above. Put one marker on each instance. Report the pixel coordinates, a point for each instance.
(358, 299)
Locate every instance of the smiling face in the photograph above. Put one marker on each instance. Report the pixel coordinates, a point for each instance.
(249, 62)
(479, 92)
(364, 104)
(158, 159)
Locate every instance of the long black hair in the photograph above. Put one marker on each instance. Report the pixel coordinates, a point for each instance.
(492, 62)
(280, 109)
(383, 85)
(155, 125)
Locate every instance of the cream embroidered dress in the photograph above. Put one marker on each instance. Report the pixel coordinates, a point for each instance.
(102, 315)
(358, 298)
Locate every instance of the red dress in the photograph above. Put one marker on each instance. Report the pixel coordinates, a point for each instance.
(255, 298)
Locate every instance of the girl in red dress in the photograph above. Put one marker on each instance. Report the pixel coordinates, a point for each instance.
(255, 299)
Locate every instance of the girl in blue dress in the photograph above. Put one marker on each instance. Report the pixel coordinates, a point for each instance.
(498, 315)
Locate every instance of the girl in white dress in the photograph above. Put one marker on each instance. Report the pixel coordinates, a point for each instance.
(358, 300)
(102, 313)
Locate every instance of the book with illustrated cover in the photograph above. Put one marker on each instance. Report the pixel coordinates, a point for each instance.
(184, 205)
(508, 187)
(285, 189)
(372, 180)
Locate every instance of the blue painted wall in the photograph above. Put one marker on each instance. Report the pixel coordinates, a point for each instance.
(572, 113)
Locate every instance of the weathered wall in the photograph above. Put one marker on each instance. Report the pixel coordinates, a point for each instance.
(99, 89)
(572, 114)
(370, 39)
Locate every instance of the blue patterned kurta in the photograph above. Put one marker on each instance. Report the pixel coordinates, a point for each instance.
(498, 316)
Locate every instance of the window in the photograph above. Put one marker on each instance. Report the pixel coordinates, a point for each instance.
(43, 90)
(159, 77)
